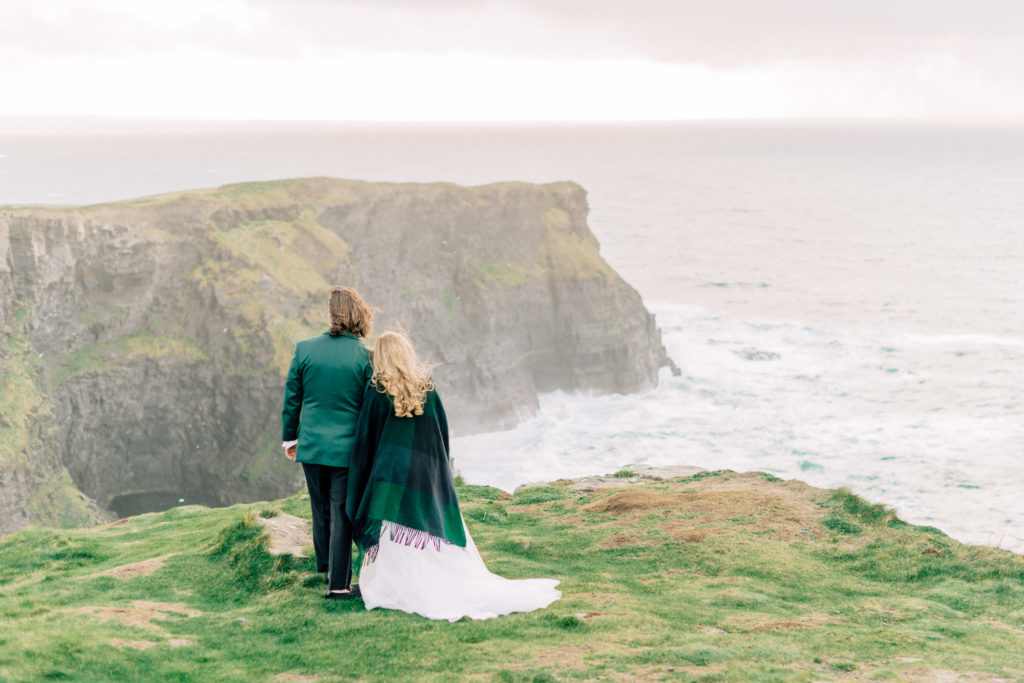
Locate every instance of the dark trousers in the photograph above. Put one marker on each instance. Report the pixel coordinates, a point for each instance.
(332, 530)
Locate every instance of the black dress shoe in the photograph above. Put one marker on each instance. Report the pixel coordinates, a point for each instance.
(339, 596)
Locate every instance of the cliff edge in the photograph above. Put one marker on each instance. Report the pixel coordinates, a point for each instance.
(146, 341)
(715, 576)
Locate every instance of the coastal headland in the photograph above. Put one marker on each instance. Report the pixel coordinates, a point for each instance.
(145, 342)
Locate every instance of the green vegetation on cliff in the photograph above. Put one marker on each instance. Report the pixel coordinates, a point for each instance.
(25, 414)
(294, 255)
(716, 577)
(21, 399)
(100, 357)
(562, 252)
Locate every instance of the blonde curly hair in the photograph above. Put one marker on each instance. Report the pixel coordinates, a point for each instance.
(398, 372)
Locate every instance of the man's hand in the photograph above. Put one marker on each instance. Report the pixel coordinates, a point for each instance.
(291, 452)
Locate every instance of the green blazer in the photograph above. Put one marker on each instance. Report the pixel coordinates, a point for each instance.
(325, 386)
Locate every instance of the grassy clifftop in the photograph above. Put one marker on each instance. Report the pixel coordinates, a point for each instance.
(715, 577)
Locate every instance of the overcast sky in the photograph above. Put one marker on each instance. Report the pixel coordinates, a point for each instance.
(492, 60)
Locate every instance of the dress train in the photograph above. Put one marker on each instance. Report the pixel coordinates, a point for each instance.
(439, 580)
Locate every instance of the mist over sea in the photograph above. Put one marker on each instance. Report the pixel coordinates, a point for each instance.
(846, 302)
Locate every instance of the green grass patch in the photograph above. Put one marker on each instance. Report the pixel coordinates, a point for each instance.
(840, 524)
(639, 599)
(706, 474)
(869, 513)
(504, 274)
(540, 494)
(100, 357)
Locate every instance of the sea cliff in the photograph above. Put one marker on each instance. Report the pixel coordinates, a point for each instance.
(145, 342)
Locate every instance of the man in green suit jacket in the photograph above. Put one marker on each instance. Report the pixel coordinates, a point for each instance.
(322, 398)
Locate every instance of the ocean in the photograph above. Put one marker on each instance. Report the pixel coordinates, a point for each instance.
(846, 302)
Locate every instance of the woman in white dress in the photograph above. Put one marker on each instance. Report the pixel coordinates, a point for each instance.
(418, 555)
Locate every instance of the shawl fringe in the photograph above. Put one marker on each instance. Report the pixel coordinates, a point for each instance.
(407, 536)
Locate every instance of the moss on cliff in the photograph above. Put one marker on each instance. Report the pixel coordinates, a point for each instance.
(504, 274)
(22, 401)
(563, 252)
(25, 417)
(100, 357)
(58, 502)
(569, 252)
(295, 254)
(258, 264)
(254, 194)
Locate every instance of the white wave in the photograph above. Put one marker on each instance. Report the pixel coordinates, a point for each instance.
(832, 410)
(961, 340)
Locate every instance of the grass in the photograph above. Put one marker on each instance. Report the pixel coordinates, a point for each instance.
(562, 251)
(292, 253)
(22, 401)
(623, 474)
(729, 577)
(261, 263)
(567, 252)
(100, 357)
(25, 415)
(505, 274)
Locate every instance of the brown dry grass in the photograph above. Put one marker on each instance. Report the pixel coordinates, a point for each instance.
(143, 568)
(995, 622)
(599, 599)
(632, 501)
(623, 540)
(560, 658)
(120, 522)
(644, 673)
(925, 675)
(765, 623)
(136, 644)
(681, 531)
(141, 614)
(697, 510)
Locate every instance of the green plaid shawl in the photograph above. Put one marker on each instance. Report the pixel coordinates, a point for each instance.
(400, 480)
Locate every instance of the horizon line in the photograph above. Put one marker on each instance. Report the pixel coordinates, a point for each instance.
(82, 123)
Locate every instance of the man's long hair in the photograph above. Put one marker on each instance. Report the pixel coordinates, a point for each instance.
(398, 372)
(349, 313)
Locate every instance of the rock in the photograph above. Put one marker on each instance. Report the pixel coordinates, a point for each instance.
(593, 483)
(288, 534)
(666, 472)
(641, 473)
(147, 340)
(750, 353)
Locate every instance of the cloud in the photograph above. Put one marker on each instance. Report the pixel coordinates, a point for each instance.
(717, 33)
(495, 59)
(711, 32)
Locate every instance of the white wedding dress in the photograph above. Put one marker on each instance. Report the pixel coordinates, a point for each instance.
(439, 580)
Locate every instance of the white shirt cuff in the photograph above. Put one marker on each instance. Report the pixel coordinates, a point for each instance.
(288, 444)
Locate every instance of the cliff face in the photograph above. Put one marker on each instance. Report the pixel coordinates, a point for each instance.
(146, 341)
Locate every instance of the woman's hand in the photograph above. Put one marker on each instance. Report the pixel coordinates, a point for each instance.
(291, 452)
